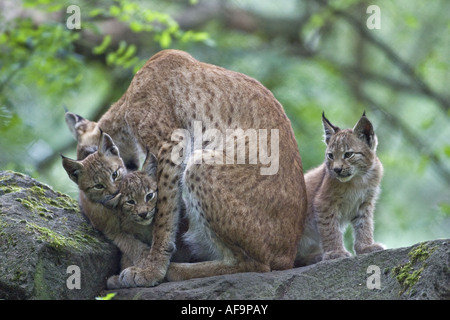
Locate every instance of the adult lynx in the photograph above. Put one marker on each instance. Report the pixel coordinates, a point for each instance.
(343, 189)
(250, 221)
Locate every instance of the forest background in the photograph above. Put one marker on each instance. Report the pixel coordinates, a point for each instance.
(389, 58)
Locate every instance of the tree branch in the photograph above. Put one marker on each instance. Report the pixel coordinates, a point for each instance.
(408, 70)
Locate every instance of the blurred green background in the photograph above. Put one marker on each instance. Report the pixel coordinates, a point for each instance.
(313, 55)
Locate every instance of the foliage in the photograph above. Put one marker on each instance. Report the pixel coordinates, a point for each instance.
(109, 296)
(313, 55)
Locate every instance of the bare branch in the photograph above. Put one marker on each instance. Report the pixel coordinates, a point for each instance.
(408, 70)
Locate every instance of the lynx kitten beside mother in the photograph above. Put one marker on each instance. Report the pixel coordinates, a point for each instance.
(343, 190)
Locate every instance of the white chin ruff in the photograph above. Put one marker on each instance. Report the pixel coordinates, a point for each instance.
(345, 179)
(145, 222)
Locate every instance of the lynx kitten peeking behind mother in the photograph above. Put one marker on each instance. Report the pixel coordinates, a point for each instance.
(342, 190)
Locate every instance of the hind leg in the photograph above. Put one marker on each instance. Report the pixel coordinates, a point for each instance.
(185, 271)
(243, 230)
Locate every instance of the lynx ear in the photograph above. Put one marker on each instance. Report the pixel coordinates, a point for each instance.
(328, 128)
(107, 147)
(364, 131)
(73, 168)
(113, 203)
(73, 121)
(150, 164)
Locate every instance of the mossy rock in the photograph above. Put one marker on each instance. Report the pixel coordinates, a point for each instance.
(42, 233)
(339, 279)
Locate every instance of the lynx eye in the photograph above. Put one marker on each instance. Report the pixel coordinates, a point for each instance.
(131, 202)
(330, 156)
(99, 186)
(115, 174)
(150, 196)
(348, 155)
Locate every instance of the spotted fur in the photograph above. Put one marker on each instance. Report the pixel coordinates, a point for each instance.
(343, 190)
(248, 221)
(119, 204)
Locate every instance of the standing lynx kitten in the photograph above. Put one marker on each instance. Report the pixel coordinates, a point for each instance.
(250, 221)
(343, 189)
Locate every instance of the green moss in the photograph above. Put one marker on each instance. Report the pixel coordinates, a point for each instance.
(62, 201)
(38, 191)
(408, 274)
(35, 206)
(83, 235)
(6, 237)
(65, 202)
(38, 202)
(9, 189)
(76, 239)
(19, 276)
(41, 290)
(43, 201)
(53, 238)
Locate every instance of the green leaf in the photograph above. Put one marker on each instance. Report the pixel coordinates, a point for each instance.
(96, 12)
(114, 10)
(136, 26)
(3, 38)
(411, 21)
(111, 58)
(130, 7)
(131, 50)
(165, 40)
(122, 47)
(109, 296)
(447, 150)
(445, 208)
(103, 46)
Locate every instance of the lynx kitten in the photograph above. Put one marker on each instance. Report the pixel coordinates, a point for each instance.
(121, 205)
(126, 225)
(343, 189)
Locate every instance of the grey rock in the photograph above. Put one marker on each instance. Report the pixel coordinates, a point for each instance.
(42, 233)
(346, 278)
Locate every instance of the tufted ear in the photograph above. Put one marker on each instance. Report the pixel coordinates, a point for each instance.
(73, 168)
(73, 121)
(328, 128)
(150, 164)
(107, 147)
(364, 131)
(113, 202)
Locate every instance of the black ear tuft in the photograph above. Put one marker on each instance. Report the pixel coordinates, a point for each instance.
(364, 131)
(329, 128)
(107, 146)
(73, 168)
(73, 121)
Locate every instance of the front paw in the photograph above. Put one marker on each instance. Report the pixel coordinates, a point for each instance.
(113, 282)
(369, 248)
(330, 255)
(137, 277)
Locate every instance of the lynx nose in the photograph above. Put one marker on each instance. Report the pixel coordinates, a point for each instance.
(337, 170)
(143, 215)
